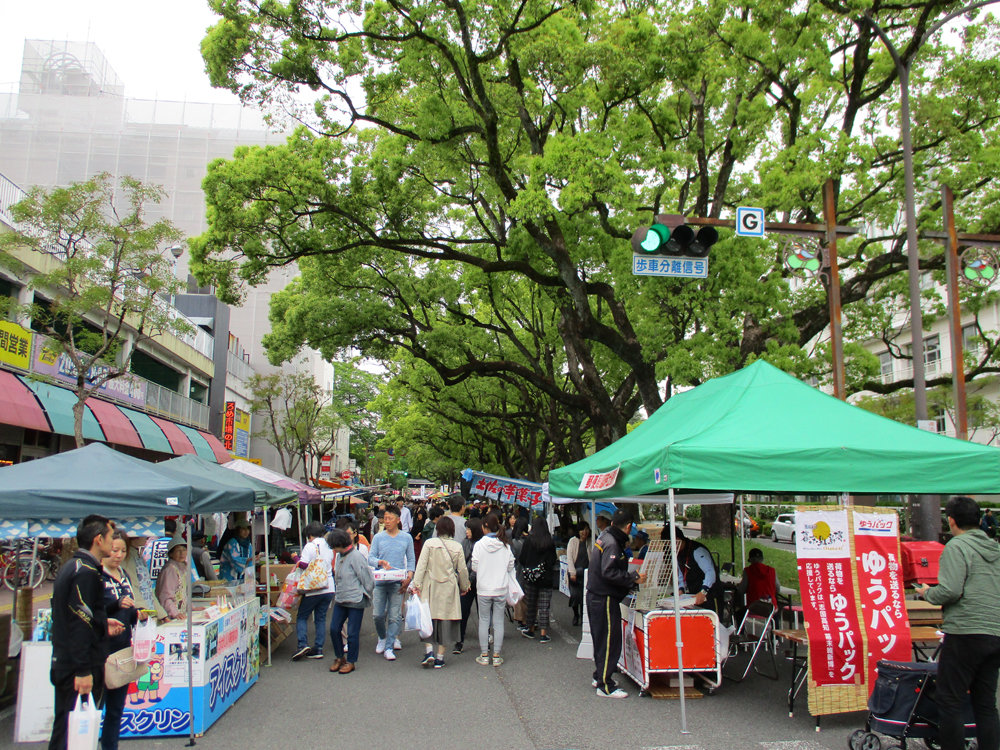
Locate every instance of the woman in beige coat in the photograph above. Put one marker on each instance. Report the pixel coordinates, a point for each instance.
(440, 580)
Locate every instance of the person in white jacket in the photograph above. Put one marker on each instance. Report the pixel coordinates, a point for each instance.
(493, 563)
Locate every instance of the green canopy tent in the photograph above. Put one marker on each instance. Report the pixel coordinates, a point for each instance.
(196, 467)
(761, 430)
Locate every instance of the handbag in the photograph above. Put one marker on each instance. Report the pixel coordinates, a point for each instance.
(536, 573)
(83, 726)
(315, 576)
(286, 599)
(121, 668)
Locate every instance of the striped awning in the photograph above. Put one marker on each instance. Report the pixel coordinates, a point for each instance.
(179, 442)
(201, 446)
(18, 405)
(117, 427)
(58, 405)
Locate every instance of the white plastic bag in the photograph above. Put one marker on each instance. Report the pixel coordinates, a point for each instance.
(426, 623)
(84, 727)
(412, 619)
(514, 591)
(142, 640)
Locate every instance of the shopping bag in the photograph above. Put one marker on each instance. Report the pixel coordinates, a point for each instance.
(314, 577)
(426, 623)
(286, 599)
(143, 638)
(514, 591)
(84, 725)
(413, 616)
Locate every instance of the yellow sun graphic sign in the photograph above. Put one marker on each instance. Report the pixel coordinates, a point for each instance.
(821, 531)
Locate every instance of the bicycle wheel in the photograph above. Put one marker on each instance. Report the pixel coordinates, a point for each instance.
(21, 569)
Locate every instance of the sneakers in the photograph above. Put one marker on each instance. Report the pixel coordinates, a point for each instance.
(544, 639)
(483, 659)
(438, 663)
(458, 648)
(528, 633)
(593, 683)
(380, 646)
(616, 693)
(302, 653)
(497, 661)
(396, 645)
(428, 660)
(315, 654)
(389, 655)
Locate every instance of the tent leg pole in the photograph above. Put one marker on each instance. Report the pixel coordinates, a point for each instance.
(300, 526)
(190, 634)
(743, 539)
(267, 581)
(677, 612)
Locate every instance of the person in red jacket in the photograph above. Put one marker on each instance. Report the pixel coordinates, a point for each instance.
(759, 580)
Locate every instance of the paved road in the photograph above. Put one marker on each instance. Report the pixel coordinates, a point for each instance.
(540, 699)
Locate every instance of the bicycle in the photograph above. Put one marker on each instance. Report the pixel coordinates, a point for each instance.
(17, 566)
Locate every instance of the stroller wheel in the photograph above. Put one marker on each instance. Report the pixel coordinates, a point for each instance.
(854, 742)
(932, 744)
(871, 742)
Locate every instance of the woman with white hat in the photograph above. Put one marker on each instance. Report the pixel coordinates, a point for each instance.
(172, 583)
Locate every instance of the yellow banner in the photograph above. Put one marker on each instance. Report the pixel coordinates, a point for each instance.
(15, 345)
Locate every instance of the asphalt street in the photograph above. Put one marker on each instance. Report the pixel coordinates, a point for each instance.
(539, 699)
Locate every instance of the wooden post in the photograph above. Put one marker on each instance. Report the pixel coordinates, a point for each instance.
(833, 291)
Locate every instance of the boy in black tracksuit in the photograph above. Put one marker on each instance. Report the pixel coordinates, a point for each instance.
(608, 582)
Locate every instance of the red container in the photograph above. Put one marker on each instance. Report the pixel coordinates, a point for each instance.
(920, 562)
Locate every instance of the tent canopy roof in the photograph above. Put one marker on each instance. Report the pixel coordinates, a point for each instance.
(306, 493)
(761, 430)
(97, 479)
(199, 468)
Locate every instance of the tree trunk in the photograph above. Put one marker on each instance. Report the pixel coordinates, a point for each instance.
(78, 408)
(715, 521)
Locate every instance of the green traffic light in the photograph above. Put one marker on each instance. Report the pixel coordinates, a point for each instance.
(656, 237)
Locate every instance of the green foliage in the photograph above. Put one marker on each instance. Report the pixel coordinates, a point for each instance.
(90, 250)
(462, 206)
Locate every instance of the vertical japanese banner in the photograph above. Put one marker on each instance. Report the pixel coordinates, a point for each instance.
(830, 609)
(880, 583)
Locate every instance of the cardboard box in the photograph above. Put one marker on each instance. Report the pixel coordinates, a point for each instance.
(281, 571)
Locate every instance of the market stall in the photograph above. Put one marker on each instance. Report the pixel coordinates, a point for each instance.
(761, 430)
(61, 489)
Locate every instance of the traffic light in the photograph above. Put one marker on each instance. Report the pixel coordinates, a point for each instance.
(669, 235)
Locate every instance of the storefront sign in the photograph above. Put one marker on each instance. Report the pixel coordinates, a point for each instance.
(525, 494)
(826, 581)
(241, 434)
(880, 582)
(48, 360)
(229, 426)
(15, 345)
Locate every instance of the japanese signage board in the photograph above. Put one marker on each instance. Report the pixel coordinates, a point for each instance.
(597, 482)
(503, 490)
(48, 360)
(229, 426)
(15, 345)
(241, 434)
(852, 598)
(658, 265)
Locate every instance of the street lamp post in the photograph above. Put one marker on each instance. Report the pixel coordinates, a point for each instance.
(928, 512)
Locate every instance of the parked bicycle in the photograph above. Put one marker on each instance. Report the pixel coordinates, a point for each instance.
(16, 565)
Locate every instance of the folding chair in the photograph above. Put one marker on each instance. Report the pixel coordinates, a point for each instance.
(755, 634)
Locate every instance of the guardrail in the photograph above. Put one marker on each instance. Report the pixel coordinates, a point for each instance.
(166, 403)
(9, 195)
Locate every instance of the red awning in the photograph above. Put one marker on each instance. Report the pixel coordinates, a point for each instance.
(18, 405)
(179, 442)
(221, 454)
(117, 427)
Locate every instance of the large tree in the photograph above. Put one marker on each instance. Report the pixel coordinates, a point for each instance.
(103, 267)
(468, 163)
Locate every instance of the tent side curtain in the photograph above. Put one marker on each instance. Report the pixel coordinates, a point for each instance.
(506, 490)
(66, 527)
(688, 498)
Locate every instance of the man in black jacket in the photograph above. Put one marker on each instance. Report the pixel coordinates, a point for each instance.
(80, 625)
(608, 582)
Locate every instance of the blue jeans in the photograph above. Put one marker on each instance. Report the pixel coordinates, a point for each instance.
(352, 616)
(387, 603)
(315, 605)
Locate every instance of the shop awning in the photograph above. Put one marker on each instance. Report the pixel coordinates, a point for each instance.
(149, 432)
(116, 426)
(179, 443)
(18, 405)
(201, 447)
(58, 405)
(221, 454)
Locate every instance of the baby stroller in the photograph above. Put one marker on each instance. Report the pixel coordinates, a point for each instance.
(902, 707)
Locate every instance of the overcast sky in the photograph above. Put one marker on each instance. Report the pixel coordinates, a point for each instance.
(153, 45)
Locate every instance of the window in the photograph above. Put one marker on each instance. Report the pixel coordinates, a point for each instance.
(970, 339)
(940, 422)
(932, 353)
(885, 365)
